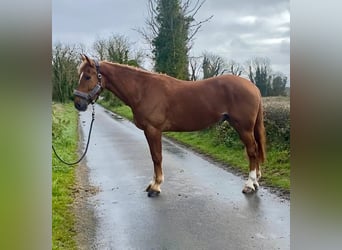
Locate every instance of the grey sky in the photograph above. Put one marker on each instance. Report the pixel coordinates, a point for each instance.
(239, 29)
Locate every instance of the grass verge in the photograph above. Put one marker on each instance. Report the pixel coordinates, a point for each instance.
(65, 140)
(275, 171)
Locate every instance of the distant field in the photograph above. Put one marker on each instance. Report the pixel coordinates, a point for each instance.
(277, 100)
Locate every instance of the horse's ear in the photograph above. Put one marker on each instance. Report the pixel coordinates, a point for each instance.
(85, 58)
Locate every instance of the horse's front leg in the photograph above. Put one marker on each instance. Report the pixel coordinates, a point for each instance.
(153, 137)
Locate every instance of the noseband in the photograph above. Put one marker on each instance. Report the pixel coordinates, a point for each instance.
(91, 96)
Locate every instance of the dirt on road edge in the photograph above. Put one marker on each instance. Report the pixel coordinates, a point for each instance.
(85, 221)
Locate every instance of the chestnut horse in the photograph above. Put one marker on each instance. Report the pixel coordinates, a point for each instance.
(162, 103)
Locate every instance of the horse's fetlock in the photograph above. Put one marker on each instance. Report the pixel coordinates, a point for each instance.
(159, 179)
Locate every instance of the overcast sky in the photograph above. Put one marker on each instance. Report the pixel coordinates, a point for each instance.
(239, 29)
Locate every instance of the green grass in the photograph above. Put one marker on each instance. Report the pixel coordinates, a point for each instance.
(124, 111)
(65, 139)
(275, 171)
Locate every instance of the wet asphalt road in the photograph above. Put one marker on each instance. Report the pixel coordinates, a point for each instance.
(201, 205)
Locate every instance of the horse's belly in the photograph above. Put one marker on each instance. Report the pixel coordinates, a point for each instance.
(192, 122)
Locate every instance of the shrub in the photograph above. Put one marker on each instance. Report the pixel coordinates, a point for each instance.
(227, 135)
(111, 99)
(276, 121)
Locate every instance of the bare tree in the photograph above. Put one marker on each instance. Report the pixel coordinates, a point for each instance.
(100, 47)
(190, 10)
(195, 64)
(234, 68)
(213, 65)
(117, 48)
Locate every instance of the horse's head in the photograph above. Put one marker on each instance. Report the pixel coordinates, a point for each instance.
(89, 87)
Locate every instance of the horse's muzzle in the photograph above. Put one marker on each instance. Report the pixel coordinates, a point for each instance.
(81, 105)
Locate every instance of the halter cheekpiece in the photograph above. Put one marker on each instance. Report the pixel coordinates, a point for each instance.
(90, 97)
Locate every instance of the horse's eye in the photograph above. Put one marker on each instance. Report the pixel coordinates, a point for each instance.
(87, 77)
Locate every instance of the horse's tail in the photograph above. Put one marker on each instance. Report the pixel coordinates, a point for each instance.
(259, 134)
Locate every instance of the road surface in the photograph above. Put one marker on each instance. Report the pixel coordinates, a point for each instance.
(201, 205)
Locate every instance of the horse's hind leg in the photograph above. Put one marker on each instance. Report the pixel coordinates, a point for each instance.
(251, 147)
(153, 137)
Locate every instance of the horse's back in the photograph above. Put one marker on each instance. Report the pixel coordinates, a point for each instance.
(234, 83)
(196, 105)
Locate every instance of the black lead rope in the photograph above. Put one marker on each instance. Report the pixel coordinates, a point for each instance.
(91, 126)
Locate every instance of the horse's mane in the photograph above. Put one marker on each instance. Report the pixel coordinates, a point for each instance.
(127, 66)
(136, 69)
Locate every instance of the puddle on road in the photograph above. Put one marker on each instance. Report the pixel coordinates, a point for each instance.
(115, 116)
(168, 146)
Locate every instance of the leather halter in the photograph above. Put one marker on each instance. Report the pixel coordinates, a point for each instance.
(91, 97)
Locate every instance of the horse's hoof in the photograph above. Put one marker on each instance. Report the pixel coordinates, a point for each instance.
(153, 193)
(248, 190)
(148, 188)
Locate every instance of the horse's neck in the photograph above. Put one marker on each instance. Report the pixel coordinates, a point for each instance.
(122, 83)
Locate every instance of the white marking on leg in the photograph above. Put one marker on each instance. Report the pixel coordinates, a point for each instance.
(155, 184)
(252, 174)
(259, 175)
(249, 184)
(252, 180)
